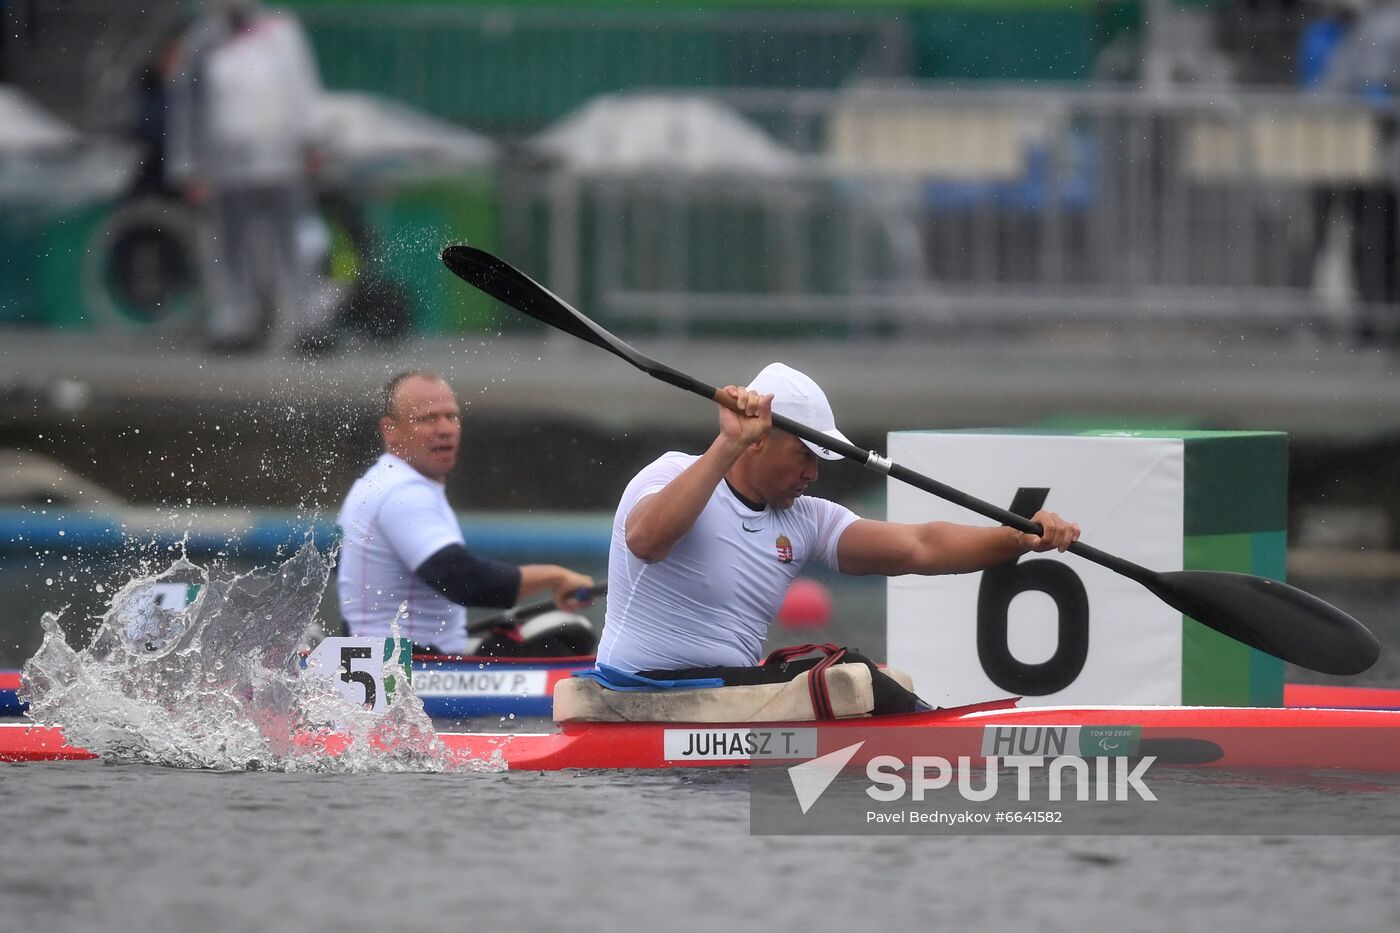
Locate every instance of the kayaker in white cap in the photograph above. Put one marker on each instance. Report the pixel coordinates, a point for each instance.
(704, 547)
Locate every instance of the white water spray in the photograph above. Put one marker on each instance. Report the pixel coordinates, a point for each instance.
(216, 683)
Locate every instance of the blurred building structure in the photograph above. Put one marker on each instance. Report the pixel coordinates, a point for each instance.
(952, 165)
(923, 209)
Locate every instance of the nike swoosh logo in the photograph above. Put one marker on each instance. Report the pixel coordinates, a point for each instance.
(752, 531)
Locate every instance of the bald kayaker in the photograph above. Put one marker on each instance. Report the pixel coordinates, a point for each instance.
(704, 547)
(401, 544)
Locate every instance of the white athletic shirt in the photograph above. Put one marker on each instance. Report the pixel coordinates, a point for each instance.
(710, 602)
(393, 519)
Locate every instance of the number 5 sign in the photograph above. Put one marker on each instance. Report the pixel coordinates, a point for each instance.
(366, 670)
(1059, 630)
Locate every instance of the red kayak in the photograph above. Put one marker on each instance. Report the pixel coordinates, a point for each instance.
(1223, 737)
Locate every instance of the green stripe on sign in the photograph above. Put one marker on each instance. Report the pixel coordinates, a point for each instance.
(1217, 670)
(1234, 552)
(1265, 680)
(1268, 558)
(1269, 555)
(1214, 667)
(1236, 483)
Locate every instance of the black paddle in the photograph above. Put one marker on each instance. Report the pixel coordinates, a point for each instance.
(526, 611)
(1274, 617)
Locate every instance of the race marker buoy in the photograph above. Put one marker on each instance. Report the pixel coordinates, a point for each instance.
(807, 605)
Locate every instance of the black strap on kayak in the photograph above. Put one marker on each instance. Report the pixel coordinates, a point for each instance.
(816, 676)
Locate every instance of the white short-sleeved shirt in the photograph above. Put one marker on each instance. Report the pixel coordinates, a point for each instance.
(393, 519)
(710, 601)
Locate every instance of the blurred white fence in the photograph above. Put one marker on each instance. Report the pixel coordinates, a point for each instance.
(912, 209)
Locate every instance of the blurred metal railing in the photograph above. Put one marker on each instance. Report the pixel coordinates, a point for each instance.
(935, 207)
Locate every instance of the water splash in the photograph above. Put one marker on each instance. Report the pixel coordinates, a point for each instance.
(216, 683)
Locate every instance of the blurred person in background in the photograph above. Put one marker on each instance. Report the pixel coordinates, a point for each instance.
(401, 544)
(243, 145)
(149, 124)
(1354, 48)
(1321, 35)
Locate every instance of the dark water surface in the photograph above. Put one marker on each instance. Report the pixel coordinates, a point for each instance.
(116, 848)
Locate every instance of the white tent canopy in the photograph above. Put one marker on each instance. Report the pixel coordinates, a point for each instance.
(372, 133)
(45, 161)
(675, 133)
(26, 127)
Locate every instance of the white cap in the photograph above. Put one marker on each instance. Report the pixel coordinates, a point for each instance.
(799, 398)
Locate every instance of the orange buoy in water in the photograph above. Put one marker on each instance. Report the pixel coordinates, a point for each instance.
(807, 605)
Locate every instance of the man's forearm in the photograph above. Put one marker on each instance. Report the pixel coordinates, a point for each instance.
(469, 580)
(539, 578)
(953, 548)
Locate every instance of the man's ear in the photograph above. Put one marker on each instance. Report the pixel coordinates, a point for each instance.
(386, 424)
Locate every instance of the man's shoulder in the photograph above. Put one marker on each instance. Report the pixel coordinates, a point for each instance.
(388, 475)
(390, 469)
(814, 507)
(677, 456)
(655, 475)
(672, 461)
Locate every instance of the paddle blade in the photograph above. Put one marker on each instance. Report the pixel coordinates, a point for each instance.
(513, 288)
(1274, 617)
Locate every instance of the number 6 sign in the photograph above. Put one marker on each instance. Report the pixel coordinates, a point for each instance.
(1055, 629)
(999, 588)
